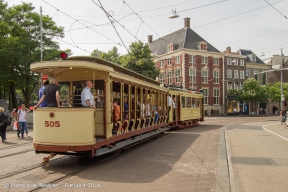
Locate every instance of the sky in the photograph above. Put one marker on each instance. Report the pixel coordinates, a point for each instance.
(245, 24)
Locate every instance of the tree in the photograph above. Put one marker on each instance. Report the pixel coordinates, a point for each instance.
(140, 60)
(274, 92)
(111, 56)
(19, 34)
(253, 92)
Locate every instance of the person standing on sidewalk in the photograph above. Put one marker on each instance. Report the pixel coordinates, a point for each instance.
(4, 122)
(22, 121)
(235, 111)
(14, 117)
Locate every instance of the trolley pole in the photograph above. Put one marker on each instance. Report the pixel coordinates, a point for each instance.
(41, 46)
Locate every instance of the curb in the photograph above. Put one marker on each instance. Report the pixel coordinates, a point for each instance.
(225, 175)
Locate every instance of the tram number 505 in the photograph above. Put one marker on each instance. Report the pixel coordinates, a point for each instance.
(52, 123)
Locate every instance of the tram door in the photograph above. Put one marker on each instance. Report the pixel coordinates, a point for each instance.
(177, 108)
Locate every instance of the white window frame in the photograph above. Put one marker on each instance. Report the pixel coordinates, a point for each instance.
(256, 71)
(236, 74)
(169, 77)
(236, 62)
(204, 60)
(191, 58)
(241, 62)
(216, 75)
(161, 63)
(192, 70)
(217, 61)
(242, 75)
(205, 92)
(177, 59)
(236, 85)
(204, 75)
(229, 73)
(168, 62)
(248, 73)
(229, 61)
(177, 75)
(229, 86)
(216, 95)
(161, 77)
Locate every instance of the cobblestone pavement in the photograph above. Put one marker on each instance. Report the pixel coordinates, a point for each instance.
(180, 160)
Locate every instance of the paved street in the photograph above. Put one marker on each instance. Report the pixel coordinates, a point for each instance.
(193, 159)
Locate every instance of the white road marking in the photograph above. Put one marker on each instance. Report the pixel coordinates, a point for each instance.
(273, 132)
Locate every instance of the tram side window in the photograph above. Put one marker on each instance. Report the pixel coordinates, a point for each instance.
(99, 92)
(188, 102)
(64, 94)
(183, 101)
(77, 89)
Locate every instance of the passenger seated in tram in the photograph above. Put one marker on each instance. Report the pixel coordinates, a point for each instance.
(116, 114)
(125, 108)
(142, 111)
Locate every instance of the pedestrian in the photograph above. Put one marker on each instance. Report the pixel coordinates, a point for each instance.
(211, 112)
(235, 111)
(41, 93)
(22, 121)
(4, 122)
(87, 98)
(13, 117)
(51, 93)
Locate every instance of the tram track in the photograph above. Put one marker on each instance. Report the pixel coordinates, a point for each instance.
(16, 145)
(20, 152)
(54, 181)
(34, 167)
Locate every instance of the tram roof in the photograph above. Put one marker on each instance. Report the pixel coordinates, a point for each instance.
(111, 67)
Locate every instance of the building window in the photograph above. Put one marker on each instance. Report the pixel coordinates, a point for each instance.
(242, 75)
(216, 76)
(216, 94)
(236, 87)
(216, 61)
(205, 60)
(229, 61)
(177, 75)
(236, 74)
(203, 47)
(256, 74)
(192, 75)
(168, 62)
(161, 77)
(229, 73)
(161, 63)
(229, 86)
(235, 61)
(264, 79)
(192, 59)
(178, 59)
(204, 74)
(169, 77)
(205, 95)
(247, 73)
(240, 86)
(241, 62)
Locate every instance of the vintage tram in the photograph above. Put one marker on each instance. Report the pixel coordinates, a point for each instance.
(144, 110)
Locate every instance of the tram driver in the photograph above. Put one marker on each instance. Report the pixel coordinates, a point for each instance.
(87, 98)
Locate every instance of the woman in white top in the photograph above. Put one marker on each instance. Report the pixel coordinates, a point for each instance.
(22, 121)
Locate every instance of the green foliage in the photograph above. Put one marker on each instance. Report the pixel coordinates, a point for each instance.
(274, 92)
(111, 56)
(234, 92)
(20, 46)
(140, 60)
(252, 91)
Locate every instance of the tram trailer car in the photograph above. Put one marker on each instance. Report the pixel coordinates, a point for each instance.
(76, 130)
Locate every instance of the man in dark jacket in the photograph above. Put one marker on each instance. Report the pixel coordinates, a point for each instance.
(4, 121)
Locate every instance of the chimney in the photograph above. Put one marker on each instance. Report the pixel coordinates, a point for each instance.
(150, 38)
(187, 22)
(228, 49)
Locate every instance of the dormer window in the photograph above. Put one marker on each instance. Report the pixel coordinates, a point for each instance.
(202, 45)
(252, 57)
(172, 47)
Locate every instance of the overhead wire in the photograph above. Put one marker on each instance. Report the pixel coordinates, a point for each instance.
(80, 22)
(276, 9)
(108, 16)
(72, 45)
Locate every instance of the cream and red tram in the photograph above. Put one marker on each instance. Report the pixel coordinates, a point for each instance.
(76, 130)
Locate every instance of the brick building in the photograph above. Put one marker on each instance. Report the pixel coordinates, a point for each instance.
(186, 59)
